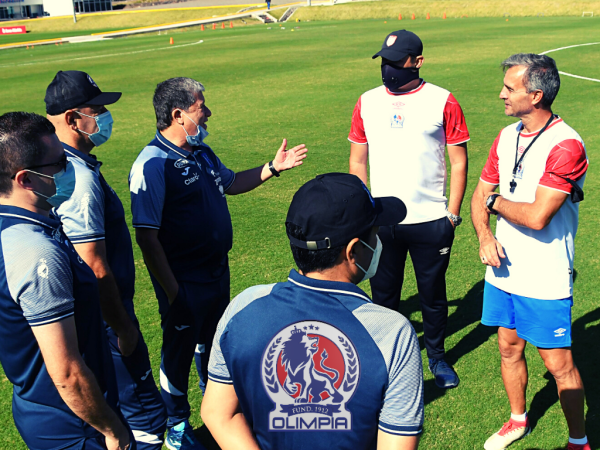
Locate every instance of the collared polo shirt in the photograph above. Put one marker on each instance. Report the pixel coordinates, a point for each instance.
(316, 365)
(182, 194)
(43, 280)
(94, 212)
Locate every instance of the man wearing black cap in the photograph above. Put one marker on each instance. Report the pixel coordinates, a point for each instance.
(94, 220)
(401, 129)
(294, 363)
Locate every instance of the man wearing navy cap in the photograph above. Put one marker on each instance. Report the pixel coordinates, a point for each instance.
(295, 364)
(401, 129)
(183, 227)
(94, 220)
(54, 348)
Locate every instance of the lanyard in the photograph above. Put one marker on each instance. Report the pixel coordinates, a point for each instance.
(518, 161)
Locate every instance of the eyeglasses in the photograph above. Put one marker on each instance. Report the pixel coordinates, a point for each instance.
(62, 164)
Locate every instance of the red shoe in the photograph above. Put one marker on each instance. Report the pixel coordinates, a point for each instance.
(585, 446)
(510, 432)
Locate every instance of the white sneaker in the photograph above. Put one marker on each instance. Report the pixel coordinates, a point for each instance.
(510, 432)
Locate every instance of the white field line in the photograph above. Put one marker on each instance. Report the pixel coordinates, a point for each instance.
(573, 46)
(170, 47)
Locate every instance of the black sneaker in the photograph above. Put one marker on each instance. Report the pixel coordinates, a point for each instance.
(445, 376)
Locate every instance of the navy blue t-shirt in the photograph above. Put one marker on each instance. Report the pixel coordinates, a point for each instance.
(43, 280)
(94, 212)
(182, 194)
(316, 365)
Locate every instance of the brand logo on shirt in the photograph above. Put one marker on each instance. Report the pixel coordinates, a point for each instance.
(57, 236)
(310, 370)
(181, 163)
(192, 179)
(397, 105)
(42, 269)
(185, 172)
(559, 332)
(521, 149)
(397, 120)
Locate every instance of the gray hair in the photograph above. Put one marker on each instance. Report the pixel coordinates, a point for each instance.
(174, 93)
(541, 74)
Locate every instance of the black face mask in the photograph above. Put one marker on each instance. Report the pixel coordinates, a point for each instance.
(394, 78)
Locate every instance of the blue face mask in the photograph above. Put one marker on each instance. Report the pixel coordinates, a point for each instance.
(65, 185)
(104, 122)
(196, 140)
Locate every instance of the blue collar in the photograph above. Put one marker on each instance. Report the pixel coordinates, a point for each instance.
(90, 160)
(332, 287)
(167, 146)
(24, 214)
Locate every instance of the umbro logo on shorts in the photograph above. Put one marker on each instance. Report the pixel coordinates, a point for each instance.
(560, 332)
(181, 327)
(444, 251)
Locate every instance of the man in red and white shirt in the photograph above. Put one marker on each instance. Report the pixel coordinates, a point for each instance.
(402, 129)
(540, 165)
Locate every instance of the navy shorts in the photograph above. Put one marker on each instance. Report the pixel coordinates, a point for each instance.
(543, 323)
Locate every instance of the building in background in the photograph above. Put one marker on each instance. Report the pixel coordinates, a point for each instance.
(23, 9)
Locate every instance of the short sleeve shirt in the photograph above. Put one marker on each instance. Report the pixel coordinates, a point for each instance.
(407, 134)
(94, 212)
(324, 359)
(538, 263)
(182, 194)
(42, 281)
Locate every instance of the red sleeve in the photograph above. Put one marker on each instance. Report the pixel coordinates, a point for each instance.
(454, 123)
(357, 129)
(568, 160)
(490, 173)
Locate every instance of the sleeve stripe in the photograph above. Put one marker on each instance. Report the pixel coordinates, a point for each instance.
(553, 188)
(456, 143)
(401, 431)
(231, 183)
(146, 225)
(82, 240)
(35, 323)
(359, 143)
(218, 379)
(488, 182)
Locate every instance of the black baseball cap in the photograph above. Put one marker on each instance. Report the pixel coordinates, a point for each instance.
(399, 44)
(334, 208)
(73, 88)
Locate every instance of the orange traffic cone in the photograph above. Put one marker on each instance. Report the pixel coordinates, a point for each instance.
(27, 47)
(399, 16)
(444, 16)
(413, 17)
(214, 26)
(230, 24)
(56, 43)
(171, 41)
(202, 27)
(223, 25)
(428, 16)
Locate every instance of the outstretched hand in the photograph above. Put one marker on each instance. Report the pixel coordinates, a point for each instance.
(288, 159)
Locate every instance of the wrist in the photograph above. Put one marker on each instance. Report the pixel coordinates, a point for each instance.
(273, 169)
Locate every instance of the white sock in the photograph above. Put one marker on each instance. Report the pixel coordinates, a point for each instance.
(519, 417)
(581, 441)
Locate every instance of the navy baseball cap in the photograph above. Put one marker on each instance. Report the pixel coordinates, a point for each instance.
(334, 208)
(73, 88)
(399, 44)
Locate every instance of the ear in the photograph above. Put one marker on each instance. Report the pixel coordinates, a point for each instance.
(537, 97)
(69, 119)
(419, 63)
(350, 252)
(177, 116)
(23, 180)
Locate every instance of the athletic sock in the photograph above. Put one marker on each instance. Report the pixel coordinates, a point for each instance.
(519, 417)
(581, 441)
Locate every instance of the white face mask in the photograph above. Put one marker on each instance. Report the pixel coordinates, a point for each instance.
(370, 272)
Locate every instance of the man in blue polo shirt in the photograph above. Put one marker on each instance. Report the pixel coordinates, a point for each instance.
(94, 220)
(325, 368)
(54, 348)
(184, 230)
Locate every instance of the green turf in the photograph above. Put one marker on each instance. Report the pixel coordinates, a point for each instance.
(263, 85)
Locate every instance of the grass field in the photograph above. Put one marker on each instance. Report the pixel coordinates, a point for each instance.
(264, 85)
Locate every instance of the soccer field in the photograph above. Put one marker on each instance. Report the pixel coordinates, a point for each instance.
(302, 83)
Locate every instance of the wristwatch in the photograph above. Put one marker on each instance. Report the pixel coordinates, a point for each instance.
(456, 220)
(490, 202)
(273, 169)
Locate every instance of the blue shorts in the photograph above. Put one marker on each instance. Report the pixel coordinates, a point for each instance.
(543, 323)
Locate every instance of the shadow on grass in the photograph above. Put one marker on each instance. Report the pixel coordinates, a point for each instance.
(468, 311)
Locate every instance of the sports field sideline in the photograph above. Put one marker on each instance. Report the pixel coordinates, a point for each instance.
(266, 84)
